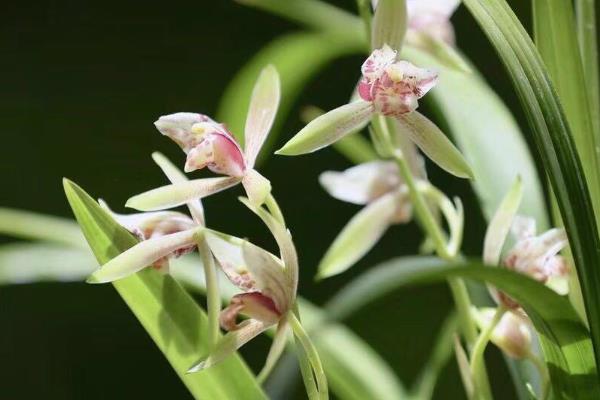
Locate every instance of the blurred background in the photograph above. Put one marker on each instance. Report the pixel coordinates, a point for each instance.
(81, 84)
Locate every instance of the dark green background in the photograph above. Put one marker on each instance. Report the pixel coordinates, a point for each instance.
(81, 84)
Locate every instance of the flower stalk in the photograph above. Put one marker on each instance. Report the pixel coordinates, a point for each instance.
(213, 297)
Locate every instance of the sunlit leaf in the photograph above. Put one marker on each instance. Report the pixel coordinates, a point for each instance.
(170, 316)
(44, 262)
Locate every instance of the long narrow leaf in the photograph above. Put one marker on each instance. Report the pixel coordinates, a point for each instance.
(169, 315)
(553, 141)
(564, 338)
(556, 39)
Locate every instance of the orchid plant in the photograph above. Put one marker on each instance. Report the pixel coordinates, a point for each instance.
(541, 307)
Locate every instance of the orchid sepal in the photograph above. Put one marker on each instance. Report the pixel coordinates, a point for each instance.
(329, 128)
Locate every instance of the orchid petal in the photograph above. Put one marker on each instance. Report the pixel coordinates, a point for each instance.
(218, 151)
(523, 227)
(250, 267)
(432, 141)
(376, 64)
(253, 305)
(329, 128)
(176, 176)
(362, 183)
(358, 237)
(500, 224)
(174, 195)
(178, 127)
(269, 273)
(389, 24)
(257, 187)
(142, 255)
(232, 341)
(262, 112)
(283, 238)
(145, 224)
(276, 350)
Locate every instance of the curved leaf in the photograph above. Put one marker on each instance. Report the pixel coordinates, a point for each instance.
(170, 315)
(564, 338)
(554, 143)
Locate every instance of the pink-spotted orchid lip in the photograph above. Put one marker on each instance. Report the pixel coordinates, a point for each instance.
(209, 144)
(394, 87)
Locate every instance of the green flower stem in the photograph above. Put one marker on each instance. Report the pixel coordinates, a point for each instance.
(477, 360)
(213, 297)
(274, 209)
(543, 371)
(313, 356)
(307, 375)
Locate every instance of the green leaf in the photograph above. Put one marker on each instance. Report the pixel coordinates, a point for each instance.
(31, 225)
(556, 39)
(389, 24)
(554, 143)
(488, 138)
(588, 45)
(361, 233)
(432, 141)
(44, 262)
(297, 57)
(564, 338)
(169, 315)
(329, 128)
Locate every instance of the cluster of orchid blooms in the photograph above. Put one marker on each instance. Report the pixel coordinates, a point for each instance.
(387, 98)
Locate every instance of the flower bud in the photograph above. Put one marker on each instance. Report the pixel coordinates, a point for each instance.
(512, 334)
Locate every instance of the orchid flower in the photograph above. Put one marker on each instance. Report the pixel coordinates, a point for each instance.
(209, 144)
(531, 255)
(267, 283)
(512, 334)
(379, 187)
(154, 225)
(389, 88)
(162, 234)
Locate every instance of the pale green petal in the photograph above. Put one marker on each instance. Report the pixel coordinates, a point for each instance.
(142, 255)
(432, 141)
(176, 176)
(262, 112)
(329, 128)
(229, 343)
(174, 195)
(501, 222)
(358, 237)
